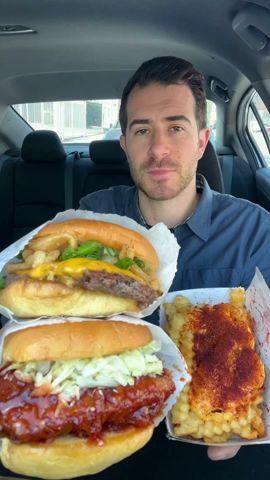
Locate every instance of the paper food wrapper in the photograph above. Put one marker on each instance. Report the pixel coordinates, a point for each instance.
(169, 353)
(257, 301)
(159, 236)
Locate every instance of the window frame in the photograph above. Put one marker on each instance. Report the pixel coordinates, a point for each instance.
(250, 147)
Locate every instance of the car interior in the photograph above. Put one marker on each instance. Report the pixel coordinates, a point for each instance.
(60, 51)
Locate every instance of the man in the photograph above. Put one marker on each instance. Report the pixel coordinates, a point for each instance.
(164, 135)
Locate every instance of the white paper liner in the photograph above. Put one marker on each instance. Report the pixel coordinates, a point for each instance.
(169, 353)
(257, 302)
(159, 236)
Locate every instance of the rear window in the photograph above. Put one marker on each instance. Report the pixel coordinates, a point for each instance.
(81, 121)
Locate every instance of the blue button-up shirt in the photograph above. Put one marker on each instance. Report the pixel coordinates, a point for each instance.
(221, 243)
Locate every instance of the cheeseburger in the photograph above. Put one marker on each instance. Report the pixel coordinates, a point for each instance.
(82, 268)
(76, 397)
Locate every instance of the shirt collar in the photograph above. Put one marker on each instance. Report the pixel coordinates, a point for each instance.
(199, 221)
(139, 216)
(136, 211)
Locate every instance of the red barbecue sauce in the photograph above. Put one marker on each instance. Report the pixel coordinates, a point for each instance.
(25, 417)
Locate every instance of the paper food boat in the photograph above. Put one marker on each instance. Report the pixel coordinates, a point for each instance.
(160, 236)
(169, 353)
(257, 302)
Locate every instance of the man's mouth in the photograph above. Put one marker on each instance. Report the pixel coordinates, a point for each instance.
(159, 172)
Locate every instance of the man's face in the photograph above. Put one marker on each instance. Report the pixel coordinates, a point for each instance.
(162, 141)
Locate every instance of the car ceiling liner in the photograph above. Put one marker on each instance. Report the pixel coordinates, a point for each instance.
(252, 24)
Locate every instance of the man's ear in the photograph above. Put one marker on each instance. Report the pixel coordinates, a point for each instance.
(122, 141)
(204, 135)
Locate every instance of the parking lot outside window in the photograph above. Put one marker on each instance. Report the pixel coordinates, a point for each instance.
(82, 121)
(76, 121)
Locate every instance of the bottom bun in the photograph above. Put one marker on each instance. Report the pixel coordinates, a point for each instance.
(32, 298)
(69, 457)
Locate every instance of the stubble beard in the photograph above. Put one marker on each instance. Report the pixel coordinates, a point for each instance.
(159, 189)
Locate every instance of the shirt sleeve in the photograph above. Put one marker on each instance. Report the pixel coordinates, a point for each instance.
(85, 203)
(110, 200)
(100, 202)
(260, 254)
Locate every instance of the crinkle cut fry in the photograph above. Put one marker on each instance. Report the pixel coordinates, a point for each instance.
(219, 426)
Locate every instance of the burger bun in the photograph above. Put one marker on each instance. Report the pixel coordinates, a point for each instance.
(74, 340)
(30, 298)
(69, 457)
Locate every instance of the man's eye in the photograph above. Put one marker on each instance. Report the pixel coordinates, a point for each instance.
(142, 131)
(176, 128)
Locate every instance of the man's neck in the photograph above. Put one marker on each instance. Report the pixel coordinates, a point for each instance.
(171, 212)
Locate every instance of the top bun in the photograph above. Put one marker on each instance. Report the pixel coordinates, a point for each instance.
(109, 234)
(74, 340)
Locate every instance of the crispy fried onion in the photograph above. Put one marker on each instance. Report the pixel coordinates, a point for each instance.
(33, 260)
(53, 242)
(126, 251)
(48, 249)
(148, 271)
(147, 274)
(149, 278)
(43, 250)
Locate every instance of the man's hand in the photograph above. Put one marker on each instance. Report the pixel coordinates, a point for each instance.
(222, 453)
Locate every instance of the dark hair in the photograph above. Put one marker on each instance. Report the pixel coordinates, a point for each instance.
(167, 71)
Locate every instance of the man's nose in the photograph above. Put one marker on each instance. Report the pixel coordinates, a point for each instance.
(159, 146)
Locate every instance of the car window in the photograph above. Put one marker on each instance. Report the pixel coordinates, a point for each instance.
(82, 121)
(78, 121)
(212, 120)
(258, 126)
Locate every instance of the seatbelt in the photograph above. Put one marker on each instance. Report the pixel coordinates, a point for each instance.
(69, 165)
(8, 155)
(3, 158)
(6, 222)
(227, 171)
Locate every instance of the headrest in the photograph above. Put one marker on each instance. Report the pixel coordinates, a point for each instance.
(209, 167)
(42, 146)
(106, 151)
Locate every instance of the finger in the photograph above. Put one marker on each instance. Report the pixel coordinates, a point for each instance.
(222, 453)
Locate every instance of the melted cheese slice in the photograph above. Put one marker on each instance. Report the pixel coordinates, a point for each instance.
(75, 268)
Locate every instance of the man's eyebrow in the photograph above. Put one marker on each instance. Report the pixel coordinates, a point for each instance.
(175, 118)
(171, 118)
(139, 121)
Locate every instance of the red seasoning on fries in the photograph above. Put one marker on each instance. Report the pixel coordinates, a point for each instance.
(226, 392)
